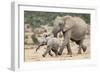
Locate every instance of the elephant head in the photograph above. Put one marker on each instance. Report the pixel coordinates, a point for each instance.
(42, 42)
(62, 24)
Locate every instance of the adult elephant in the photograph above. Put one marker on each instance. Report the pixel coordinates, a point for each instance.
(73, 28)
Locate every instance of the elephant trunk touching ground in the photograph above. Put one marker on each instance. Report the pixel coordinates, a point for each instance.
(73, 28)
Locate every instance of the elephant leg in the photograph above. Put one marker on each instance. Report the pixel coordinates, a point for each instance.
(67, 36)
(61, 50)
(50, 53)
(84, 48)
(80, 46)
(47, 51)
(55, 51)
(69, 49)
(65, 43)
(62, 47)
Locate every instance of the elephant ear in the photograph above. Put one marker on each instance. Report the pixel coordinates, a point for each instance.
(68, 23)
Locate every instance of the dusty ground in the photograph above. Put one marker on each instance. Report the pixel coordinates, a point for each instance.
(32, 55)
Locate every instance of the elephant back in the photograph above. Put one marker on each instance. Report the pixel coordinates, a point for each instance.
(53, 41)
(80, 22)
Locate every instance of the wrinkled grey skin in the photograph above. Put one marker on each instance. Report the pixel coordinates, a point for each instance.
(52, 43)
(73, 28)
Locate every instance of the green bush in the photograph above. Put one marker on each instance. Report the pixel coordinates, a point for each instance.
(37, 18)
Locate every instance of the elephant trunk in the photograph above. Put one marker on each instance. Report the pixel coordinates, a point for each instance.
(56, 31)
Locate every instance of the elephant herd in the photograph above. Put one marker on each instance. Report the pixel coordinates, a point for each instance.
(73, 28)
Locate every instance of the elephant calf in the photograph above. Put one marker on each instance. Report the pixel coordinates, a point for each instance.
(52, 43)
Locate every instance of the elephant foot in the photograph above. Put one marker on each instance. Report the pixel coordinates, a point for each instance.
(59, 53)
(43, 55)
(51, 55)
(84, 49)
(69, 54)
(56, 55)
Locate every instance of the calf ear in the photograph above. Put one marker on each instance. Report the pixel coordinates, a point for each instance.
(68, 23)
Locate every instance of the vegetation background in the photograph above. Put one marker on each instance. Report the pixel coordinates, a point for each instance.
(37, 18)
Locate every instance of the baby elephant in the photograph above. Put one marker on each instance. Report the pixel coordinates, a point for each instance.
(52, 43)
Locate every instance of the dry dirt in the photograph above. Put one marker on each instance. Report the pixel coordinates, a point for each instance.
(31, 55)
